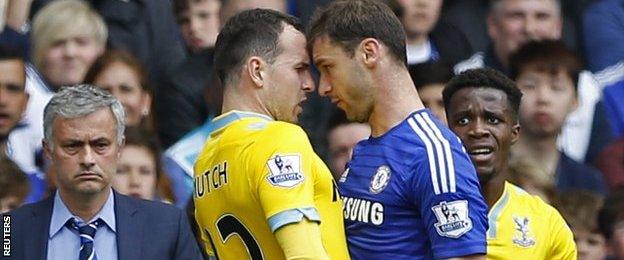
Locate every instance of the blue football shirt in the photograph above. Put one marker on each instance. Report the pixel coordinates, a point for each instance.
(413, 193)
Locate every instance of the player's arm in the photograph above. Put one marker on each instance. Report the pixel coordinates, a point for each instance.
(446, 189)
(301, 240)
(285, 185)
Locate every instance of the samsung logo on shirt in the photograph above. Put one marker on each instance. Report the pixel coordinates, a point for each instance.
(363, 210)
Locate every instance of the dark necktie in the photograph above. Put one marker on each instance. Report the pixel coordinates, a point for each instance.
(87, 234)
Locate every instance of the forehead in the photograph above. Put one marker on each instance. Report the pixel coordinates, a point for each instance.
(324, 48)
(292, 43)
(544, 72)
(204, 4)
(468, 97)
(99, 124)
(549, 6)
(12, 70)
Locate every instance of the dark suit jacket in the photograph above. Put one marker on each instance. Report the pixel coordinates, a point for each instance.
(145, 230)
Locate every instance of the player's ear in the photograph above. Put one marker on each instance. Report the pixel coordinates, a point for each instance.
(255, 67)
(515, 132)
(370, 51)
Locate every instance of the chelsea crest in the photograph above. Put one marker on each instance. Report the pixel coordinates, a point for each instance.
(380, 179)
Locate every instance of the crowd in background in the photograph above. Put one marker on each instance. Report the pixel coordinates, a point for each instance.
(155, 56)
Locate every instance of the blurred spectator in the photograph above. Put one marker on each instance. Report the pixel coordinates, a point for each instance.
(14, 185)
(121, 74)
(604, 41)
(231, 7)
(512, 23)
(13, 29)
(13, 100)
(179, 104)
(603, 23)
(611, 163)
(470, 17)
(580, 210)
(430, 79)
(342, 136)
(146, 29)
(533, 179)
(546, 73)
(139, 172)
(199, 21)
(67, 36)
(180, 158)
(611, 223)
(427, 38)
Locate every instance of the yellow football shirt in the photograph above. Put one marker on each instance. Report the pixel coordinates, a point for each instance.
(252, 168)
(522, 226)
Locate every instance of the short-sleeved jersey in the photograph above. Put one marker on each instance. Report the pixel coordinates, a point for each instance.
(253, 172)
(413, 193)
(522, 226)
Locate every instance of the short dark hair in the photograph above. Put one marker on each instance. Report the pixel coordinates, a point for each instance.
(395, 6)
(348, 22)
(13, 181)
(484, 78)
(138, 136)
(612, 213)
(580, 209)
(494, 4)
(113, 56)
(7, 53)
(548, 56)
(180, 6)
(252, 32)
(430, 73)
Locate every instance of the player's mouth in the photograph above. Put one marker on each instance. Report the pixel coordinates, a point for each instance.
(89, 175)
(5, 118)
(542, 118)
(481, 153)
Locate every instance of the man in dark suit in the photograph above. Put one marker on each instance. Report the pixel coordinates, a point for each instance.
(85, 218)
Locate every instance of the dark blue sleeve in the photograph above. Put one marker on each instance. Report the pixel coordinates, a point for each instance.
(604, 46)
(16, 41)
(181, 182)
(449, 199)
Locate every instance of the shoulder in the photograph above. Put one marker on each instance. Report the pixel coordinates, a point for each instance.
(532, 202)
(24, 216)
(154, 210)
(475, 61)
(277, 133)
(284, 128)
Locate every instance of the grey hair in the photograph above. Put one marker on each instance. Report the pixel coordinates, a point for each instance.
(78, 101)
(495, 6)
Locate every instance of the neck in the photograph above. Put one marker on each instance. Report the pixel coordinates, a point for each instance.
(501, 56)
(493, 189)
(395, 98)
(238, 100)
(3, 146)
(85, 206)
(417, 39)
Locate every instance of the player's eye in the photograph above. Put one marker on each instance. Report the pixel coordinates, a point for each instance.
(463, 121)
(493, 120)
